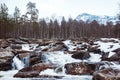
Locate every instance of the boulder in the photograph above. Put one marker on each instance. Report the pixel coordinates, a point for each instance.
(116, 50)
(5, 64)
(18, 41)
(94, 49)
(107, 74)
(11, 40)
(6, 60)
(4, 43)
(16, 51)
(80, 68)
(57, 48)
(104, 64)
(16, 46)
(45, 42)
(28, 74)
(21, 56)
(115, 57)
(50, 77)
(41, 66)
(24, 39)
(81, 55)
(32, 71)
(32, 58)
(6, 53)
(35, 58)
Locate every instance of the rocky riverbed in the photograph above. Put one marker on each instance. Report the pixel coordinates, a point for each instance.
(76, 59)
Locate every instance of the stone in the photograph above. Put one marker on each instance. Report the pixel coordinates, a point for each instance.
(80, 68)
(6, 53)
(35, 58)
(107, 74)
(57, 48)
(18, 41)
(50, 77)
(28, 74)
(5, 64)
(6, 60)
(116, 50)
(115, 57)
(81, 55)
(16, 46)
(32, 71)
(94, 49)
(4, 43)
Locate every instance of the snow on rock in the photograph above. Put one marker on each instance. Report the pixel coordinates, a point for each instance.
(66, 76)
(108, 45)
(69, 44)
(29, 47)
(111, 54)
(106, 64)
(72, 45)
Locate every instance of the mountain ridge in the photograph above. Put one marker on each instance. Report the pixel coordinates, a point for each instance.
(100, 19)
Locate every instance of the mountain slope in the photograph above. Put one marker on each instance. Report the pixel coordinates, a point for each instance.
(101, 19)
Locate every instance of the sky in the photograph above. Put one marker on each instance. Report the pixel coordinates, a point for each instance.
(66, 8)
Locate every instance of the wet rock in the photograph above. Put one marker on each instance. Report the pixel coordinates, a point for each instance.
(94, 49)
(45, 42)
(50, 77)
(28, 74)
(6, 53)
(57, 48)
(103, 65)
(116, 50)
(115, 57)
(24, 39)
(32, 58)
(81, 55)
(32, 71)
(5, 64)
(15, 46)
(16, 52)
(18, 41)
(35, 58)
(11, 40)
(107, 74)
(6, 60)
(4, 43)
(21, 56)
(80, 68)
(109, 40)
(105, 56)
(58, 42)
(91, 42)
(41, 66)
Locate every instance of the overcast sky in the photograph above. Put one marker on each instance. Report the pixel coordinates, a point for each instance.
(67, 8)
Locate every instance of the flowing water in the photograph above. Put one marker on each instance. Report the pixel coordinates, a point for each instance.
(59, 59)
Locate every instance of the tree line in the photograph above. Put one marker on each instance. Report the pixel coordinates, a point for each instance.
(29, 26)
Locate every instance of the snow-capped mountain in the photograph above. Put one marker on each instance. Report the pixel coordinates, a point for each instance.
(100, 19)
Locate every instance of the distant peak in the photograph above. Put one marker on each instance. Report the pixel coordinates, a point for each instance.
(101, 19)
